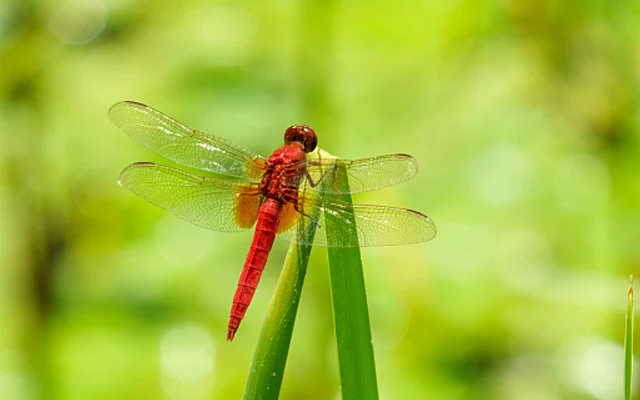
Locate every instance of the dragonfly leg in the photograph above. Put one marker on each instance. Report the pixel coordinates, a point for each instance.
(316, 183)
(292, 196)
(298, 206)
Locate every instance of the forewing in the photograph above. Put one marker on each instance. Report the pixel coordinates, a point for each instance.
(206, 202)
(366, 174)
(184, 145)
(374, 225)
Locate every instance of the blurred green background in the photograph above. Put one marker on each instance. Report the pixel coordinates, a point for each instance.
(523, 115)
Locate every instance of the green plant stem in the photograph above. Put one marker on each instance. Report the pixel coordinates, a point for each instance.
(628, 346)
(351, 315)
(270, 357)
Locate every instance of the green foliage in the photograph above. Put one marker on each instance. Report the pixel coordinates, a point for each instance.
(351, 314)
(628, 344)
(353, 334)
(270, 357)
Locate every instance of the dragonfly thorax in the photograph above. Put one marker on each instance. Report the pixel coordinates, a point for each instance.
(283, 172)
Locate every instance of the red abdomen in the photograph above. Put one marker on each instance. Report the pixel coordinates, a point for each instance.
(263, 237)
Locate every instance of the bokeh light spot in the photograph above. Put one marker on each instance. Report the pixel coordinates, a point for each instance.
(78, 21)
(501, 174)
(182, 244)
(594, 366)
(225, 31)
(16, 386)
(187, 360)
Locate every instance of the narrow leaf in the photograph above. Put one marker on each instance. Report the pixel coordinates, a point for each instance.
(351, 315)
(270, 357)
(628, 344)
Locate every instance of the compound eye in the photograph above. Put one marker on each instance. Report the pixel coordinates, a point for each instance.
(310, 139)
(291, 134)
(303, 135)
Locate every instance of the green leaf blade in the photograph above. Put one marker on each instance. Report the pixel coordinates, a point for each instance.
(269, 360)
(351, 315)
(628, 344)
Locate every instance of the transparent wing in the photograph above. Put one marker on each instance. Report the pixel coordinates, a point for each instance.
(184, 145)
(374, 225)
(365, 175)
(209, 203)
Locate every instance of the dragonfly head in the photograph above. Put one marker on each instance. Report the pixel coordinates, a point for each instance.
(302, 134)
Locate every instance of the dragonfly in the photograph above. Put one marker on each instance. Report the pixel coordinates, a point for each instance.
(279, 195)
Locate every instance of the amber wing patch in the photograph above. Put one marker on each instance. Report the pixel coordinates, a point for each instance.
(247, 205)
(288, 217)
(255, 168)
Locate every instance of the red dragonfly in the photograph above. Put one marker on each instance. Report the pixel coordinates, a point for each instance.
(273, 194)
